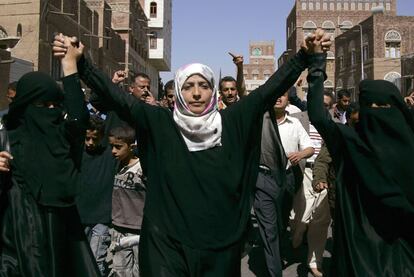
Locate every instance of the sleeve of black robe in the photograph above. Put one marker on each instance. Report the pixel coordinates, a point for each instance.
(318, 114)
(77, 116)
(265, 96)
(126, 106)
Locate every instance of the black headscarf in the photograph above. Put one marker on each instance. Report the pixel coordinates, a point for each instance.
(38, 140)
(381, 149)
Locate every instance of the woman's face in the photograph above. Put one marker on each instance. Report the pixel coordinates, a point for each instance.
(197, 93)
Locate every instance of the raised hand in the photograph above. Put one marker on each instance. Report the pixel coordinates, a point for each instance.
(318, 42)
(237, 59)
(119, 76)
(409, 100)
(68, 50)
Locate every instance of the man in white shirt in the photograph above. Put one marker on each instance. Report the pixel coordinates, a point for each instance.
(295, 139)
(297, 146)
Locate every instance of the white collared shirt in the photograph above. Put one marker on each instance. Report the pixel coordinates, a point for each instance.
(293, 136)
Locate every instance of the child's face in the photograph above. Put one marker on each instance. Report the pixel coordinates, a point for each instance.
(92, 140)
(120, 149)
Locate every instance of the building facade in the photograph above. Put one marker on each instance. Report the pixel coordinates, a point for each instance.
(111, 51)
(261, 64)
(36, 21)
(335, 17)
(385, 39)
(159, 13)
(130, 22)
(407, 74)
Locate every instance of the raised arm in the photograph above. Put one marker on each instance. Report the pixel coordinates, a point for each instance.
(240, 85)
(312, 53)
(126, 106)
(77, 115)
(318, 114)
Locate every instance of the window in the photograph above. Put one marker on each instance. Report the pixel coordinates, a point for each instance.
(255, 74)
(303, 6)
(365, 47)
(392, 44)
(329, 27)
(153, 40)
(340, 55)
(153, 9)
(346, 25)
(394, 77)
(353, 57)
(346, 6)
(328, 84)
(3, 33)
(352, 52)
(19, 30)
(308, 28)
(310, 6)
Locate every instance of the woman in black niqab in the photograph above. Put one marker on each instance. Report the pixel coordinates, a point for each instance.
(374, 215)
(41, 233)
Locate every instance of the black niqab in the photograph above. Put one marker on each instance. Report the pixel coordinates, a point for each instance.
(38, 141)
(383, 145)
(375, 191)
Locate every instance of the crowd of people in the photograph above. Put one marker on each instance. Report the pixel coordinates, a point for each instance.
(117, 183)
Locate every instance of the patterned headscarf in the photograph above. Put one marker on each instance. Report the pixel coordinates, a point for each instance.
(200, 131)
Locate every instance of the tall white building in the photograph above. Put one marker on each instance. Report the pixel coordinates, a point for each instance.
(159, 13)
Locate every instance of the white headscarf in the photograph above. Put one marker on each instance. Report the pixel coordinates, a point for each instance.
(200, 131)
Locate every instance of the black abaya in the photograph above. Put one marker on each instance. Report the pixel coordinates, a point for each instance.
(374, 212)
(41, 233)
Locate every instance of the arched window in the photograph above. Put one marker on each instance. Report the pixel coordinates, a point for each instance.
(392, 77)
(153, 40)
(308, 28)
(392, 44)
(346, 25)
(328, 26)
(153, 9)
(19, 30)
(328, 84)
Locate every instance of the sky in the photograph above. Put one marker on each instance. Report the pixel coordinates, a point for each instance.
(206, 30)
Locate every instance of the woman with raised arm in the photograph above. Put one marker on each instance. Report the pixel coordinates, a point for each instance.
(201, 164)
(41, 233)
(374, 213)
